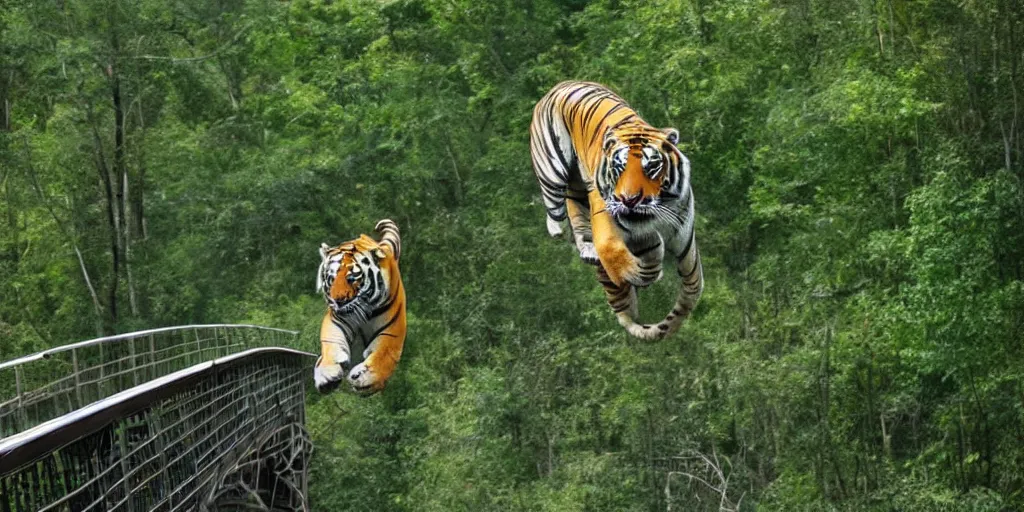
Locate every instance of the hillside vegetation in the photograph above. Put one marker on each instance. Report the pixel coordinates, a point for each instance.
(857, 167)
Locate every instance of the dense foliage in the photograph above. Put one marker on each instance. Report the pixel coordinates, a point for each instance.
(858, 173)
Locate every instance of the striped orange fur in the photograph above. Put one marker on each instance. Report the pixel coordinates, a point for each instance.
(624, 187)
(365, 298)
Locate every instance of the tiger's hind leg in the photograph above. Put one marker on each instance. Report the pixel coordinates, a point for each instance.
(690, 290)
(579, 220)
(554, 228)
(553, 158)
(692, 273)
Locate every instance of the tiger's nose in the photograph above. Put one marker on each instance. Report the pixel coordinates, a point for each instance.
(630, 201)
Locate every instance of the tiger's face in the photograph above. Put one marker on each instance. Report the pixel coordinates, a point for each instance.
(350, 276)
(640, 167)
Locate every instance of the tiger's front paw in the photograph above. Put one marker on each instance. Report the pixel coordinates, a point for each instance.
(328, 376)
(364, 381)
(622, 267)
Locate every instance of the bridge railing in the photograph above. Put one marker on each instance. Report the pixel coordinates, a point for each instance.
(226, 434)
(48, 384)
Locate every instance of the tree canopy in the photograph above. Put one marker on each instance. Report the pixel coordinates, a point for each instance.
(857, 169)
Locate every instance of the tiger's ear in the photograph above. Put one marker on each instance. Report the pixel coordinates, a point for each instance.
(379, 253)
(323, 251)
(671, 135)
(609, 140)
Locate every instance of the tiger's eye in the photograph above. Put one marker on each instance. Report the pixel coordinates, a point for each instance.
(619, 158)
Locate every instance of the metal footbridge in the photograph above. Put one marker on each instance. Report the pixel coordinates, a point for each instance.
(201, 417)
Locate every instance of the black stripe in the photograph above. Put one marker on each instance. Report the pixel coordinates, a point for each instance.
(548, 183)
(398, 312)
(382, 308)
(646, 250)
(610, 112)
(588, 114)
(692, 272)
(557, 150)
(577, 103)
(686, 250)
(624, 120)
(390, 299)
(350, 331)
(577, 196)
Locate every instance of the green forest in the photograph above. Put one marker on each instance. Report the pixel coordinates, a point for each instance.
(857, 171)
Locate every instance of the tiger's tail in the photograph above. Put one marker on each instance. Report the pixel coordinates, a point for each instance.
(692, 286)
(389, 236)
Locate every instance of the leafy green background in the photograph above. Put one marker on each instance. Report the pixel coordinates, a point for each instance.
(857, 168)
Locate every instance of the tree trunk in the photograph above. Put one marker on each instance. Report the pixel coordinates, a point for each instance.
(12, 217)
(115, 252)
(120, 168)
(824, 380)
(127, 257)
(5, 109)
(138, 218)
(119, 180)
(5, 127)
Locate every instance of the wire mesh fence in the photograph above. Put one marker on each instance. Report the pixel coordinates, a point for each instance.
(222, 435)
(43, 386)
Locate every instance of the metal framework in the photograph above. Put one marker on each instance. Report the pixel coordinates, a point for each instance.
(226, 433)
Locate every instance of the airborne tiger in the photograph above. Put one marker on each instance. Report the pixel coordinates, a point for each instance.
(365, 300)
(625, 188)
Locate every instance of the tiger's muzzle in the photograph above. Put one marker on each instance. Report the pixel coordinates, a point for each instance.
(635, 208)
